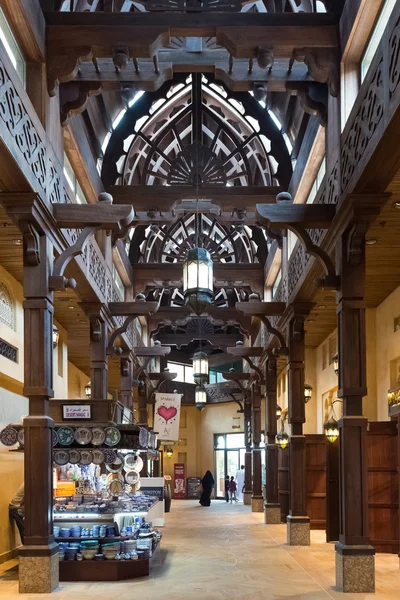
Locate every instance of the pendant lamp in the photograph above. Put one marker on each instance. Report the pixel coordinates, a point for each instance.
(198, 279)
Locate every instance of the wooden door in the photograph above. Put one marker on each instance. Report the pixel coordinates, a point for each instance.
(283, 482)
(316, 480)
(332, 491)
(383, 486)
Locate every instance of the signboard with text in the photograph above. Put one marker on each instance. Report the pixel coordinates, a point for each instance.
(193, 484)
(77, 412)
(180, 482)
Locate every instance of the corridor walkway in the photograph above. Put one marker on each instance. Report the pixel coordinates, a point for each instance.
(225, 553)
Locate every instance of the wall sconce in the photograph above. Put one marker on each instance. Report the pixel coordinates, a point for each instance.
(307, 393)
(56, 336)
(236, 423)
(278, 411)
(88, 390)
(169, 452)
(336, 363)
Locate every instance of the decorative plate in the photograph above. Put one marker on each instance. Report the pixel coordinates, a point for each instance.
(21, 437)
(74, 457)
(116, 466)
(113, 436)
(83, 436)
(98, 457)
(86, 458)
(61, 457)
(110, 456)
(143, 437)
(65, 436)
(98, 436)
(132, 477)
(133, 461)
(116, 487)
(55, 437)
(9, 436)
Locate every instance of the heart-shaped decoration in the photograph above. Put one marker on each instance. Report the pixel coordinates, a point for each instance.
(167, 413)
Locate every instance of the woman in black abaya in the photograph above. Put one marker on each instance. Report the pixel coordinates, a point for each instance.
(207, 484)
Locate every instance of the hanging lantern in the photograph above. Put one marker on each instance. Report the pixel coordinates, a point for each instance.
(88, 390)
(282, 439)
(56, 336)
(169, 452)
(198, 279)
(200, 368)
(331, 429)
(236, 423)
(278, 411)
(336, 363)
(307, 393)
(200, 397)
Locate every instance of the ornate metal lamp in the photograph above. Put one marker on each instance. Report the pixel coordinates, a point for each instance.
(198, 279)
(331, 429)
(169, 452)
(200, 397)
(307, 393)
(88, 390)
(278, 411)
(336, 363)
(200, 368)
(282, 439)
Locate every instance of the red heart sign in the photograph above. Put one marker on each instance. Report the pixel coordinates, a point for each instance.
(167, 413)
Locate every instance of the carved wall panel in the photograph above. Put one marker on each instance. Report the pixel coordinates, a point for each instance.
(7, 307)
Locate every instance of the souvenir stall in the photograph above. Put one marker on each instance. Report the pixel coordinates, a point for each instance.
(103, 521)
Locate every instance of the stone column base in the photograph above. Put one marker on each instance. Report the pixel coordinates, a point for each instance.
(247, 498)
(257, 504)
(298, 531)
(38, 574)
(355, 570)
(272, 514)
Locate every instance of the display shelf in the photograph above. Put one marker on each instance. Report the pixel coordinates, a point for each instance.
(103, 570)
(116, 538)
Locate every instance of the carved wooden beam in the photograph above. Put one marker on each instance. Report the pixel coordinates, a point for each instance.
(256, 308)
(108, 216)
(74, 97)
(312, 106)
(323, 65)
(139, 308)
(284, 214)
(151, 351)
(164, 376)
(236, 376)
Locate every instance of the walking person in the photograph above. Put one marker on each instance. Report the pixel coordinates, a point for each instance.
(240, 483)
(227, 488)
(232, 489)
(16, 510)
(207, 484)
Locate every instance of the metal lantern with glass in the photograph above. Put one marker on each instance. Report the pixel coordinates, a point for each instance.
(335, 360)
(282, 438)
(307, 393)
(331, 426)
(88, 390)
(198, 279)
(278, 411)
(200, 368)
(56, 336)
(200, 397)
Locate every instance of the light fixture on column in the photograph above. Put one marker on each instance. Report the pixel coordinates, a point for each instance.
(200, 397)
(200, 368)
(278, 411)
(198, 279)
(56, 336)
(169, 452)
(282, 439)
(331, 429)
(336, 363)
(307, 393)
(88, 390)
(236, 423)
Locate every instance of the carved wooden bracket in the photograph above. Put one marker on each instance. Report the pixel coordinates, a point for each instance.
(95, 329)
(57, 281)
(118, 332)
(74, 97)
(65, 67)
(310, 105)
(274, 331)
(31, 244)
(297, 332)
(323, 66)
(331, 280)
(356, 243)
(254, 367)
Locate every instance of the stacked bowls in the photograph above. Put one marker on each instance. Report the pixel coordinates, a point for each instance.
(89, 549)
(111, 550)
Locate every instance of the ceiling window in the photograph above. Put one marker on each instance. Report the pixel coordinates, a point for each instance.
(184, 372)
(376, 36)
(11, 47)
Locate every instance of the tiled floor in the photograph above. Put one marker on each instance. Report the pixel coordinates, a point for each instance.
(226, 553)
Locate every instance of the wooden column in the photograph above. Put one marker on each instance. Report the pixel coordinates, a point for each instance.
(257, 501)
(98, 349)
(38, 568)
(248, 471)
(298, 523)
(355, 561)
(142, 405)
(272, 510)
(126, 371)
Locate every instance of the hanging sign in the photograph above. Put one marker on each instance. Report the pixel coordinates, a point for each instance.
(179, 478)
(167, 411)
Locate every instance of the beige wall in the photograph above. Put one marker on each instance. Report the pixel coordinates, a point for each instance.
(14, 335)
(76, 383)
(387, 351)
